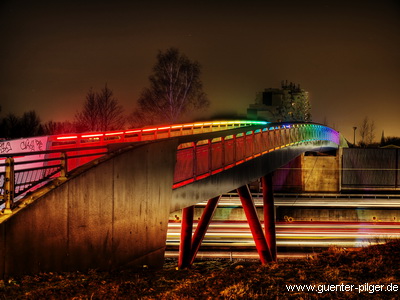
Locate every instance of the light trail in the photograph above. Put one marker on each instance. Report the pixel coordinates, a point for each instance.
(237, 234)
(348, 201)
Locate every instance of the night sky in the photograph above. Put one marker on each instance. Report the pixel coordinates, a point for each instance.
(345, 53)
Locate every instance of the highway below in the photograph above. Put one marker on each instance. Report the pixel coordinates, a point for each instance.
(233, 239)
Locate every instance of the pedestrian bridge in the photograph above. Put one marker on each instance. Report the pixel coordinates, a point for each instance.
(102, 200)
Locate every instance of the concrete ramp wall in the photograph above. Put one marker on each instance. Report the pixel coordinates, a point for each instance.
(114, 213)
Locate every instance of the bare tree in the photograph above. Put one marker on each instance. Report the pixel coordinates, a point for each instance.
(31, 124)
(28, 125)
(101, 112)
(52, 127)
(367, 132)
(175, 89)
(87, 119)
(10, 127)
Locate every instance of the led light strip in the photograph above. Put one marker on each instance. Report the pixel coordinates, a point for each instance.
(185, 126)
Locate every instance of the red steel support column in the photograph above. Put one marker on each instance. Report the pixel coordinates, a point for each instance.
(202, 226)
(269, 213)
(255, 225)
(186, 237)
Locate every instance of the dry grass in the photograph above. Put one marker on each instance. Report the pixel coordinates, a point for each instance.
(222, 279)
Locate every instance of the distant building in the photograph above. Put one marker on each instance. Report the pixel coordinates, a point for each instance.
(275, 105)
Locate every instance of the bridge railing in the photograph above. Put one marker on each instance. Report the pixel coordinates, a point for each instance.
(34, 158)
(198, 160)
(195, 160)
(19, 177)
(145, 134)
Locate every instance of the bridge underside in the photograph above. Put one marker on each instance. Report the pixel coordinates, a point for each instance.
(242, 174)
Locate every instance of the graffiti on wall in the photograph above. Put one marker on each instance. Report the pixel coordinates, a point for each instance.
(5, 147)
(23, 145)
(31, 145)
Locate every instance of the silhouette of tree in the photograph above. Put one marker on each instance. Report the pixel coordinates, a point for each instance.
(51, 127)
(10, 127)
(31, 124)
(367, 132)
(175, 89)
(391, 141)
(28, 125)
(101, 112)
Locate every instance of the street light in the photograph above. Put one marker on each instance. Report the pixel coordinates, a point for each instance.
(354, 128)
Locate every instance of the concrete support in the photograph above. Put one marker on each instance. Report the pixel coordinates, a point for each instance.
(202, 226)
(110, 213)
(186, 237)
(269, 213)
(255, 224)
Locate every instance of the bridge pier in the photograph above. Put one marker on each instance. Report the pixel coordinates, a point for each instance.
(186, 237)
(269, 213)
(265, 243)
(249, 208)
(189, 246)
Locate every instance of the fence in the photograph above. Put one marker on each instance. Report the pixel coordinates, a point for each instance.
(370, 168)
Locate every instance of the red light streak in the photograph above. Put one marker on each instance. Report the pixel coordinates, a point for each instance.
(176, 185)
(202, 176)
(133, 131)
(114, 133)
(67, 137)
(91, 135)
(149, 129)
(217, 171)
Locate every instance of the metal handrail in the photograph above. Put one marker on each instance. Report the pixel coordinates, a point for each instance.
(9, 190)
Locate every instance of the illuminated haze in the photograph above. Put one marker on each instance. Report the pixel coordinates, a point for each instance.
(345, 53)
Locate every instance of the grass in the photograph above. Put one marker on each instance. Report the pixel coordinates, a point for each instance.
(221, 279)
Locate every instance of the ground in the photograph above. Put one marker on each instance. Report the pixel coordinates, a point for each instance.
(365, 272)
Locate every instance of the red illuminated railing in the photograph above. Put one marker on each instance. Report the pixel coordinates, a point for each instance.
(95, 139)
(198, 160)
